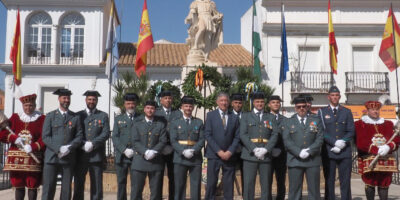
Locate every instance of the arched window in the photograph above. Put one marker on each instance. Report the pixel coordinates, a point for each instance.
(39, 39)
(72, 39)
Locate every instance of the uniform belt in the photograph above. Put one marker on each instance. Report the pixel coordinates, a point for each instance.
(187, 142)
(259, 140)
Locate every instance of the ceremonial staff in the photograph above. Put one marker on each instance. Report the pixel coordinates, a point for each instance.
(4, 124)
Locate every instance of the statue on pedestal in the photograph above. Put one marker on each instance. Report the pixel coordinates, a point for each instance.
(205, 31)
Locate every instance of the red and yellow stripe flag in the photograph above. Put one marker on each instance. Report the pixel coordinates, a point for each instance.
(387, 52)
(15, 54)
(333, 50)
(145, 42)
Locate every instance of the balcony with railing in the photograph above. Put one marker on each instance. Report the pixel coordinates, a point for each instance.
(42, 55)
(367, 82)
(310, 82)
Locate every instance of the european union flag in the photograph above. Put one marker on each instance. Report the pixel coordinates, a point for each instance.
(284, 56)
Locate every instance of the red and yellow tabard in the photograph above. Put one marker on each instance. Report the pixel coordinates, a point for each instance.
(370, 135)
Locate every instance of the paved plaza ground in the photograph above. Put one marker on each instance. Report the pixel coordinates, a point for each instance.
(357, 191)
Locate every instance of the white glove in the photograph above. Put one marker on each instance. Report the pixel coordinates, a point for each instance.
(167, 150)
(336, 149)
(19, 141)
(129, 153)
(263, 151)
(27, 148)
(304, 154)
(88, 147)
(383, 150)
(276, 152)
(64, 150)
(188, 153)
(258, 153)
(150, 154)
(340, 144)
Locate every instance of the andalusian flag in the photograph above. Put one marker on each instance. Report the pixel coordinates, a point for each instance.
(256, 40)
(111, 41)
(145, 42)
(387, 51)
(333, 50)
(15, 54)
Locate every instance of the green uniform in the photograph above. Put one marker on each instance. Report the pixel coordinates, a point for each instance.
(174, 114)
(121, 137)
(256, 133)
(297, 137)
(96, 130)
(148, 136)
(59, 131)
(187, 135)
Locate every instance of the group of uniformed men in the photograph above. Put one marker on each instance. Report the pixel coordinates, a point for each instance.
(260, 142)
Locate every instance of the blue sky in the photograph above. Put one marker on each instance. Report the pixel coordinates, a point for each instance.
(166, 18)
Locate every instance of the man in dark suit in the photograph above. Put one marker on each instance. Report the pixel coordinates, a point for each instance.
(338, 134)
(237, 105)
(168, 114)
(222, 135)
(303, 138)
(91, 156)
(121, 138)
(62, 135)
(279, 152)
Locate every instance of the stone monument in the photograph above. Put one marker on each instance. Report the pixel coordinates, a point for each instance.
(205, 31)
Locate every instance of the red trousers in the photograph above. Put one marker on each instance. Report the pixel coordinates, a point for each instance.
(380, 179)
(20, 179)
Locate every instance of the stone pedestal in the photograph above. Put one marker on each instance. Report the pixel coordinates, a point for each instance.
(195, 57)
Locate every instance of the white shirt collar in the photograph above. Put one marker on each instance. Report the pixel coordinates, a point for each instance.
(256, 111)
(368, 120)
(147, 120)
(88, 111)
(299, 118)
(29, 118)
(220, 112)
(332, 107)
(133, 114)
(236, 113)
(185, 118)
(62, 112)
(166, 109)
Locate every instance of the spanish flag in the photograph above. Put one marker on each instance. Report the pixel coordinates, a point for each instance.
(333, 50)
(15, 54)
(145, 42)
(387, 51)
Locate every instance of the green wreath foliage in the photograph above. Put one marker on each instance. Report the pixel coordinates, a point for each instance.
(176, 92)
(211, 77)
(244, 76)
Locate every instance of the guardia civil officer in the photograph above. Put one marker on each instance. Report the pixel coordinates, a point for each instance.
(259, 134)
(91, 155)
(148, 138)
(187, 139)
(165, 111)
(62, 135)
(121, 138)
(303, 138)
(338, 134)
(278, 152)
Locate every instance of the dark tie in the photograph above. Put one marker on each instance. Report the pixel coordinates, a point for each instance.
(149, 123)
(259, 116)
(223, 120)
(302, 122)
(131, 117)
(334, 111)
(167, 112)
(187, 121)
(64, 116)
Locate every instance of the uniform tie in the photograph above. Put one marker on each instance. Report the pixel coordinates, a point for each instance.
(224, 120)
(334, 111)
(302, 122)
(131, 117)
(65, 116)
(149, 123)
(167, 112)
(259, 116)
(187, 121)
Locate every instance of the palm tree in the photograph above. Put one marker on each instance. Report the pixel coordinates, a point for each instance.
(130, 83)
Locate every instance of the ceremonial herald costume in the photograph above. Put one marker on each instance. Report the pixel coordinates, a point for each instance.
(24, 170)
(373, 137)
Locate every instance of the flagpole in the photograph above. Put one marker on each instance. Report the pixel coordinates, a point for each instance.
(395, 57)
(282, 70)
(252, 35)
(330, 9)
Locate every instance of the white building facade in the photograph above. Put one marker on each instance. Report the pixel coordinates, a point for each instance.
(358, 26)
